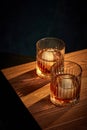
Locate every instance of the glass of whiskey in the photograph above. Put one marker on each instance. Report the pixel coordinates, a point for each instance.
(65, 84)
(48, 51)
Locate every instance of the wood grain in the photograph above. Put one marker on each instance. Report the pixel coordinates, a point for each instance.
(34, 92)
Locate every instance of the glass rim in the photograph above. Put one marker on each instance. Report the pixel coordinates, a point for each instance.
(50, 38)
(69, 62)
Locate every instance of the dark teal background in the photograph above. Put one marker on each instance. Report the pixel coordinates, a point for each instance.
(24, 22)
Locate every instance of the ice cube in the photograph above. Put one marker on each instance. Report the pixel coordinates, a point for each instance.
(66, 88)
(67, 83)
(48, 55)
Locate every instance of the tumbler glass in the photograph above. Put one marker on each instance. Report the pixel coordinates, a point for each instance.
(65, 83)
(48, 51)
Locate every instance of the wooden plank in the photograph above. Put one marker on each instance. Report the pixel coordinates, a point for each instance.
(12, 72)
(36, 96)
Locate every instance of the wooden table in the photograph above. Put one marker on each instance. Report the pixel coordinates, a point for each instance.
(34, 93)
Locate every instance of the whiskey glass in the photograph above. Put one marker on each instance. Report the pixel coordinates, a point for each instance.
(65, 83)
(48, 51)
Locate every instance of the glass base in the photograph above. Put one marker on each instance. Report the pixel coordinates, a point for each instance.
(61, 102)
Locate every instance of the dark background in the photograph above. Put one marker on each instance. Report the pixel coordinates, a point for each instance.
(24, 22)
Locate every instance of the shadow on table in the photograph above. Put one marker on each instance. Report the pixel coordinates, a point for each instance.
(11, 59)
(27, 83)
(13, 113)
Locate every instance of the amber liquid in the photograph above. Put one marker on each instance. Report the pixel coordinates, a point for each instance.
(44, 65)
(65, 92)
